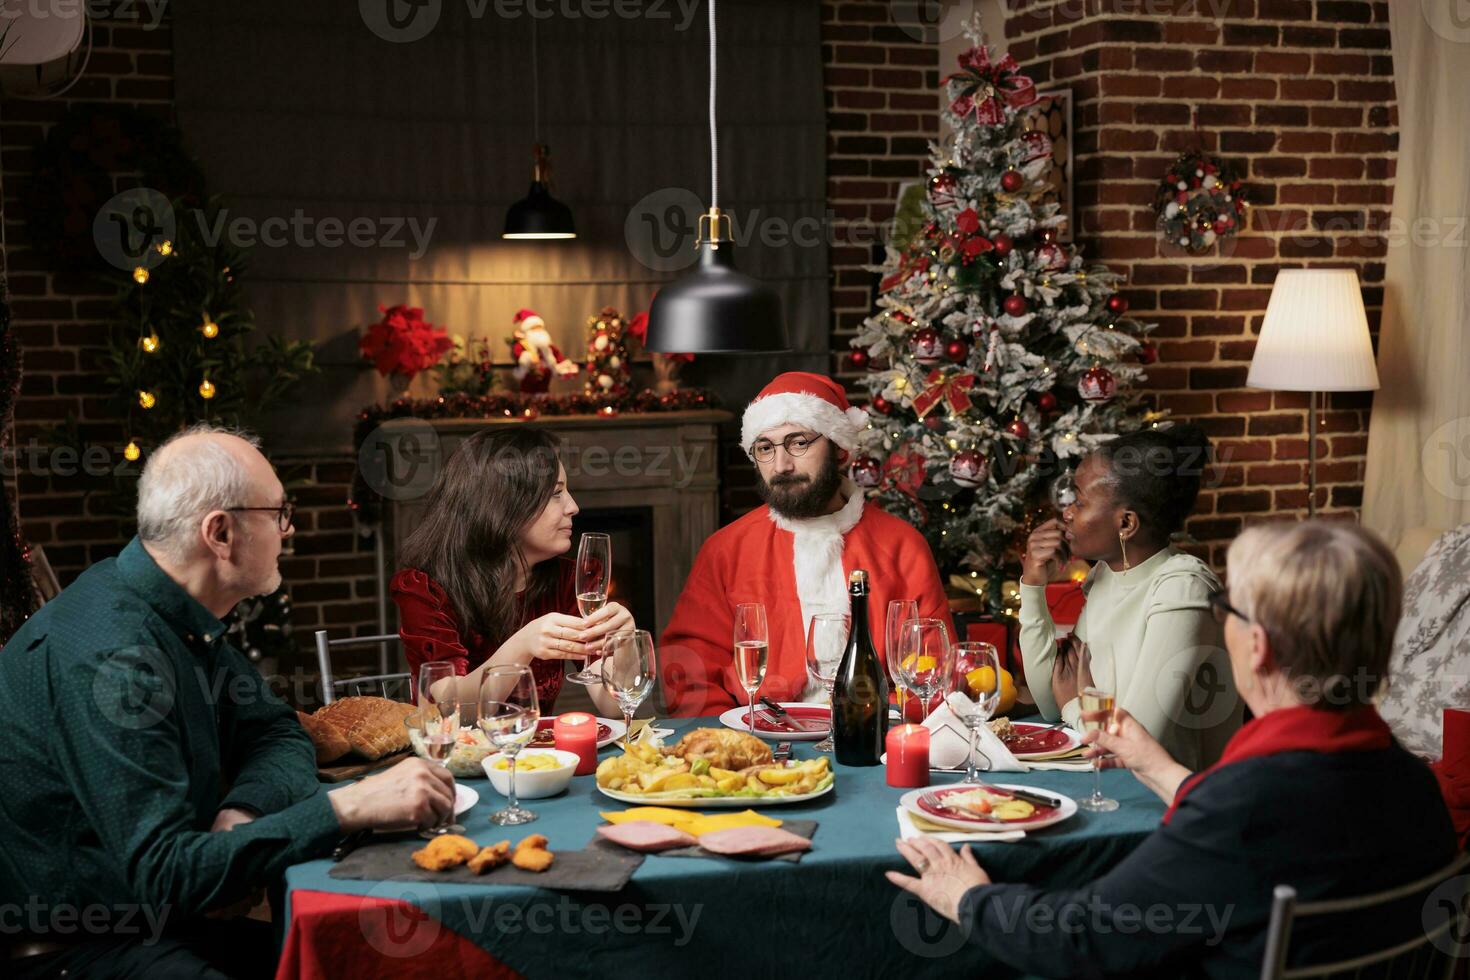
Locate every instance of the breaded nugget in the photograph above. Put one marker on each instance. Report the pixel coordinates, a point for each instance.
(537, 841)
(532, 858)
(443, 853)
(490, 857)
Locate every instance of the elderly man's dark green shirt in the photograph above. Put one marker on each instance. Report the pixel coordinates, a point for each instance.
(130, 724)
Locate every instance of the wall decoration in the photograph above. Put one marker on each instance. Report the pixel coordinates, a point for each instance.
(1198, 203)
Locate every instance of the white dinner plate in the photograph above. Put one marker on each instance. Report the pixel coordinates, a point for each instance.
(736, 718)
(1067, 807)
(615, 727)
(464, 797)
(1072, 741)
(717, 802)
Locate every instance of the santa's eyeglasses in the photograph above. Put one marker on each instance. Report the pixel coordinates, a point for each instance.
(796, 444)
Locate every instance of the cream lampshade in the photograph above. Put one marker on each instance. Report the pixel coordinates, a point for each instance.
(1314, 338)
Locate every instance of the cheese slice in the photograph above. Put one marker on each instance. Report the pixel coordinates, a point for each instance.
(657, 814)
(728, 821)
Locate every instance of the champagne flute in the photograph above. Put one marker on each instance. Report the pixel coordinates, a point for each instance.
(1097, 695)
(438, 724)
(926, 658)
(900, 611)
(826, 643)
(508, 713)
(975, 700)
(751, 643)
(628, 669)
(594, 581)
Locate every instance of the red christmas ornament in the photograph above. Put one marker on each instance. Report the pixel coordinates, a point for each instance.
(867, 472)
(1117, 305)
(933, 422)
(1012, 181)
(1097, 385)
(1019, 428)
(968, 468)
(957, 351)
(941, 188)
(881, 405)
(1037, 145)
(1221, 225)
(1053, 257)
(1046, 401)
(1002, 243)
(1147, 353)
(858, 359)
(926, 346)
(1015, 305)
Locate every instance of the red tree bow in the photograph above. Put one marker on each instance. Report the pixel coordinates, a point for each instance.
(984, 86)
(951, 391)
(904, 471)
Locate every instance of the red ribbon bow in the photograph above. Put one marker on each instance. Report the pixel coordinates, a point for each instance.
(952, 391)
(986, 85)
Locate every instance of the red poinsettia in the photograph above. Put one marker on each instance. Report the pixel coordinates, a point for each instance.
(403, 343)
(638, 328)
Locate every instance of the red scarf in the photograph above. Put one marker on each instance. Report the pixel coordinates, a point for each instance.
(1297, 729)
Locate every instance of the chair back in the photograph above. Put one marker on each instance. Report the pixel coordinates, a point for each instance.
(1431, 952)
(393, 686)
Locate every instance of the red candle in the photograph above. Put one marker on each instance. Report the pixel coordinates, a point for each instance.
(908, 755)
(576, 731)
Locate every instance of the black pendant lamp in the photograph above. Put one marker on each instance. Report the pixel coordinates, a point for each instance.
(716, 309)
(538, 215)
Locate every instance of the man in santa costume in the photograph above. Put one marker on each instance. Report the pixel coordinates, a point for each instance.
(793, 554)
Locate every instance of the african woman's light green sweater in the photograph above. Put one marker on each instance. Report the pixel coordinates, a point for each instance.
(1154, 625)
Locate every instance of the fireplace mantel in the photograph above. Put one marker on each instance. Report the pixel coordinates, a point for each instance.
(664, 461)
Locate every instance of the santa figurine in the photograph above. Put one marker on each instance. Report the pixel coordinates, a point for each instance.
(537, 358)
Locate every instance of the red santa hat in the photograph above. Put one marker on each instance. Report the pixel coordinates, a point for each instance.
(528, 319)
(802, 398)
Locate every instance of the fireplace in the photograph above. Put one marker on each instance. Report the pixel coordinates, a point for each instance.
(631, 532)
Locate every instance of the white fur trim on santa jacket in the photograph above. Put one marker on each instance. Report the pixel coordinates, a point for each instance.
(797, 408)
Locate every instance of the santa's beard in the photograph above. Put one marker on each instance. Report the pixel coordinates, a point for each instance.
(796, 496)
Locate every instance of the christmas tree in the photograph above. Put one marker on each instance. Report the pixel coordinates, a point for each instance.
(996, 358)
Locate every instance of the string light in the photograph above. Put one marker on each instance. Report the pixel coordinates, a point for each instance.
(146, 399)
(140, 275)
(210, 328)
(206, 389)
(899, 384)
(149, 343)
(165, 247)
(131, 452)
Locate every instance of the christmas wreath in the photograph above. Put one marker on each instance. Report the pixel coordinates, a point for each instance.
(1199, 202)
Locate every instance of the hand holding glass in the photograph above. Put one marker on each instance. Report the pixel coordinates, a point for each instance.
(594, 581)
(1097, 696)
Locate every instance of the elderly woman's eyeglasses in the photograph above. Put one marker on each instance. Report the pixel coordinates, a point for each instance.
(1223, 610)
(283, 513)
(796, 444)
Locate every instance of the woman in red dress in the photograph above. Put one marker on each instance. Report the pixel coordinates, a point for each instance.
(483, 581)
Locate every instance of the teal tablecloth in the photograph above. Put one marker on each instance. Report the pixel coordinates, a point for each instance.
(833, 912)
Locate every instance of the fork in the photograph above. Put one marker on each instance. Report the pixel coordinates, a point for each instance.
(785, 717)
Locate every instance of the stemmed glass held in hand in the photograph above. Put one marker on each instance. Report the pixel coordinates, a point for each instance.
(594, 581)
(926, 658)
(1097, 697)
(826, 643)
(900, 611)
(628, 669)
(509, 712)
(751, 642)
(438, 724)
(976, 694)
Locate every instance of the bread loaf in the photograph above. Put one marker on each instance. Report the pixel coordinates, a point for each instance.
(328, 739)
(373, 726)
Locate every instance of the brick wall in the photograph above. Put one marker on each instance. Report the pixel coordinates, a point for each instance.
(1299, 95)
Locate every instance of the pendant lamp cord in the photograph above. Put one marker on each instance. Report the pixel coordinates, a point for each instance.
(714, 146)
(535, 88)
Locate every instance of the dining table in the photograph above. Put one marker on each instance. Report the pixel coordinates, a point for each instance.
(833, 911)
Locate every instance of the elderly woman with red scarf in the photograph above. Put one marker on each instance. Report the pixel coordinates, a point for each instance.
(1314, 792)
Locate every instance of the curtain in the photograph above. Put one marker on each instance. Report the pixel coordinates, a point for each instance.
(300, 111)
(1418, 470)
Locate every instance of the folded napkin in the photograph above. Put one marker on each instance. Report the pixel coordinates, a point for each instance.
(910, 826)
(949, 741)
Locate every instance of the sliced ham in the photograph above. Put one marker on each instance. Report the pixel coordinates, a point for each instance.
(753, 841)
(645, 835)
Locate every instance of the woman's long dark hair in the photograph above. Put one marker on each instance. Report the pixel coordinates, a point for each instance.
(495, 484)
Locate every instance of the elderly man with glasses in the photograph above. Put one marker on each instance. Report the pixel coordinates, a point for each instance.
(152, 776)
(792, 555)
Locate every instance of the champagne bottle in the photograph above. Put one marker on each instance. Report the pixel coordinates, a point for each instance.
(860, 694)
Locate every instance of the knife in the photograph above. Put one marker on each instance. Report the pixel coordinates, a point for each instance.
(350, 843)
(785, 716)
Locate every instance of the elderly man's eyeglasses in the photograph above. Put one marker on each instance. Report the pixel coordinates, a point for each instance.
(1223, 610)
(796, 444)
(283, 513)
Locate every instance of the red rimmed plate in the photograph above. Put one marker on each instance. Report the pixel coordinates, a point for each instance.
(914, 802)
(1033, 741)
(814, 714)
(608, 730)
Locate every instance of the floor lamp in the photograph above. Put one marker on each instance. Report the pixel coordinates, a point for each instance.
(1314, 339)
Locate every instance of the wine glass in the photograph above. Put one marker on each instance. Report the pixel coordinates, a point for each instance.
(1063, 491)
(976, 694)
(628, 668)
(900, 611)
(438, 723)
(826, 643)
(594, 580)
(925, 658)
(509, 712)
(1097, 696)
(751, 642)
